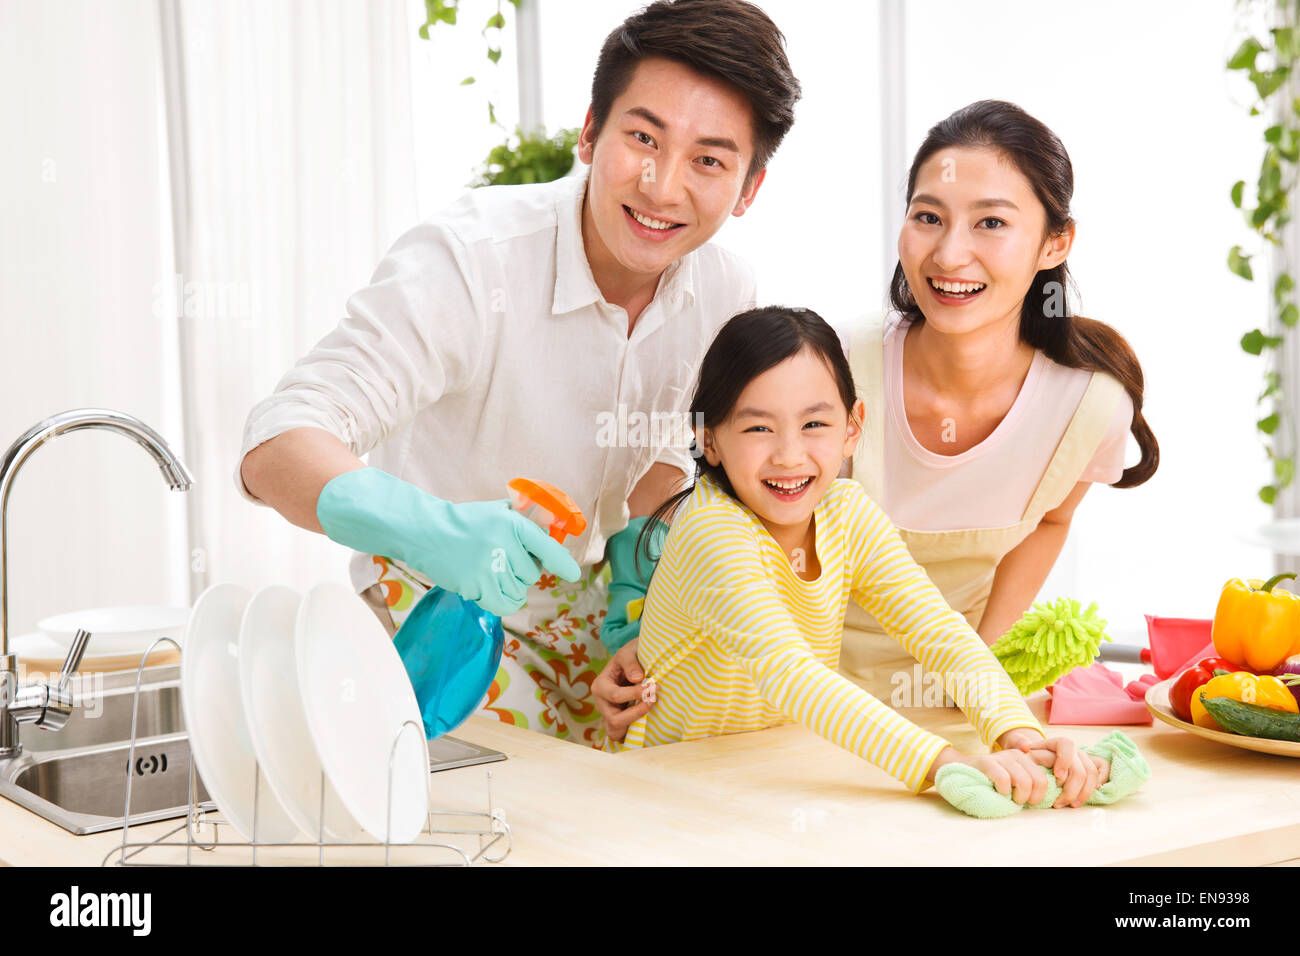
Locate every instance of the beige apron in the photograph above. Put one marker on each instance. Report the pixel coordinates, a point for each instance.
(961, 563)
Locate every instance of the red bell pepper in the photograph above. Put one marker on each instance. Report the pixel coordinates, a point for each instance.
(1180, 695)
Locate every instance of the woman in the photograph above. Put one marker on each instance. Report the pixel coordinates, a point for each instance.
(995, 408)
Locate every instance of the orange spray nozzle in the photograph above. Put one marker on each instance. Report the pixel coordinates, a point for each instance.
(564, 516)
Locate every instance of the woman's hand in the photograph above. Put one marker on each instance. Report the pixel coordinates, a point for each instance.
(617, 692)
(1077, 773)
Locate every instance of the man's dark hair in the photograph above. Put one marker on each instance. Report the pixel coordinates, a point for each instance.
(732, 40)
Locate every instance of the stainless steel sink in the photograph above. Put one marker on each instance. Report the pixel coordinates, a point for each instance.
(76, 777)
(84, 791)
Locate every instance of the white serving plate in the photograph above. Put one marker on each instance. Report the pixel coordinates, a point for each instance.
(277, 723)
(359, 703)
(118, 630)
(40, 653)
(214, 717)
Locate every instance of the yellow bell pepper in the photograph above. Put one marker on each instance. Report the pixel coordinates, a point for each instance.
(1255, 626)
(1265, 690)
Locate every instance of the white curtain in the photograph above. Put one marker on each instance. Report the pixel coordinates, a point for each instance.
(91, 522)
(293, 121)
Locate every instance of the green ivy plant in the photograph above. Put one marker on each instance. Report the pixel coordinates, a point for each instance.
(1268, 63)
(446, 11)
(532, 158)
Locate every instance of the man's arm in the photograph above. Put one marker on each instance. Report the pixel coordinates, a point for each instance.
(289, 471)
(1024, 568)
(413, 335)
(655, 487)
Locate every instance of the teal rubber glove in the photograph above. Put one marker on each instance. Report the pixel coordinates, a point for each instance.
(629, 580)
(483, 550)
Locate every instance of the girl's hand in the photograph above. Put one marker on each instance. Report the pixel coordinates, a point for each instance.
(1046, 758)
(1014, 773)
(1076, 772)
(1013, 739)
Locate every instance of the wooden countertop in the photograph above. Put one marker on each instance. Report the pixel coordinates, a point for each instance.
(785, 796)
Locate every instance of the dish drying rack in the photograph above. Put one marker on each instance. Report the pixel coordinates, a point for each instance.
(489, 826)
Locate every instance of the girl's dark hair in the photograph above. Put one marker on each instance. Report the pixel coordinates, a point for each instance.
(746, 347)
(730, 40)
(1045, 320)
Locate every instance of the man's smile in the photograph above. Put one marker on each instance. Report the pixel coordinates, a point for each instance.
(651, 227)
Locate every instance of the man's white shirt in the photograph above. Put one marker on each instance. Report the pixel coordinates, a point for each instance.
(483, 350)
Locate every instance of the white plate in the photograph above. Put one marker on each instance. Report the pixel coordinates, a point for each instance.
(118, 630)
(358, 701)
(214, 717)
(42, 656)
(40, 645)
(268, 683)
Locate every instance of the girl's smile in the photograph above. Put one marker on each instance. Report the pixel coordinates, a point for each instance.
(788, 489)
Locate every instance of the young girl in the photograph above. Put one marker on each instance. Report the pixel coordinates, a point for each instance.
(742, 620)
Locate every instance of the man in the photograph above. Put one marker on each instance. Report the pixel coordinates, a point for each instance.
(502, 337)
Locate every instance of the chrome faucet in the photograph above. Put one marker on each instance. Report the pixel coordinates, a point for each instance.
(48, 705)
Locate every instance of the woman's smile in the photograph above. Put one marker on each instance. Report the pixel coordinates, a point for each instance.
(954, 292)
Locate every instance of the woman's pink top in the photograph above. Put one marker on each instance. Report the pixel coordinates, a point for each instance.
(990, 484)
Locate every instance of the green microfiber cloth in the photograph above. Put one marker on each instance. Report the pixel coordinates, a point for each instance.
(1048, 642)
(971, 792)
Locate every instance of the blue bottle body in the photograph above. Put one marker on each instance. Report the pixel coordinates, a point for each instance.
(451, 649)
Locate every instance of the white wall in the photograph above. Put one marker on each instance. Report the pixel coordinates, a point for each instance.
(452, 132)
(79, 258)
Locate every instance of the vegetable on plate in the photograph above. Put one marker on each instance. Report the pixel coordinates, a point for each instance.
(1202, 672)
(1263, 691)
(1253, 720)
(1255, 625)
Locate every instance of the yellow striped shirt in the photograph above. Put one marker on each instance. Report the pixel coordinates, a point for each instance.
(737, 641)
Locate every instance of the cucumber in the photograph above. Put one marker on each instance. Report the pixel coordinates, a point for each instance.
(1252, 720)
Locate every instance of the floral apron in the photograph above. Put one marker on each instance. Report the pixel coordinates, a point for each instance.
(961, 562)
(552, 650)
